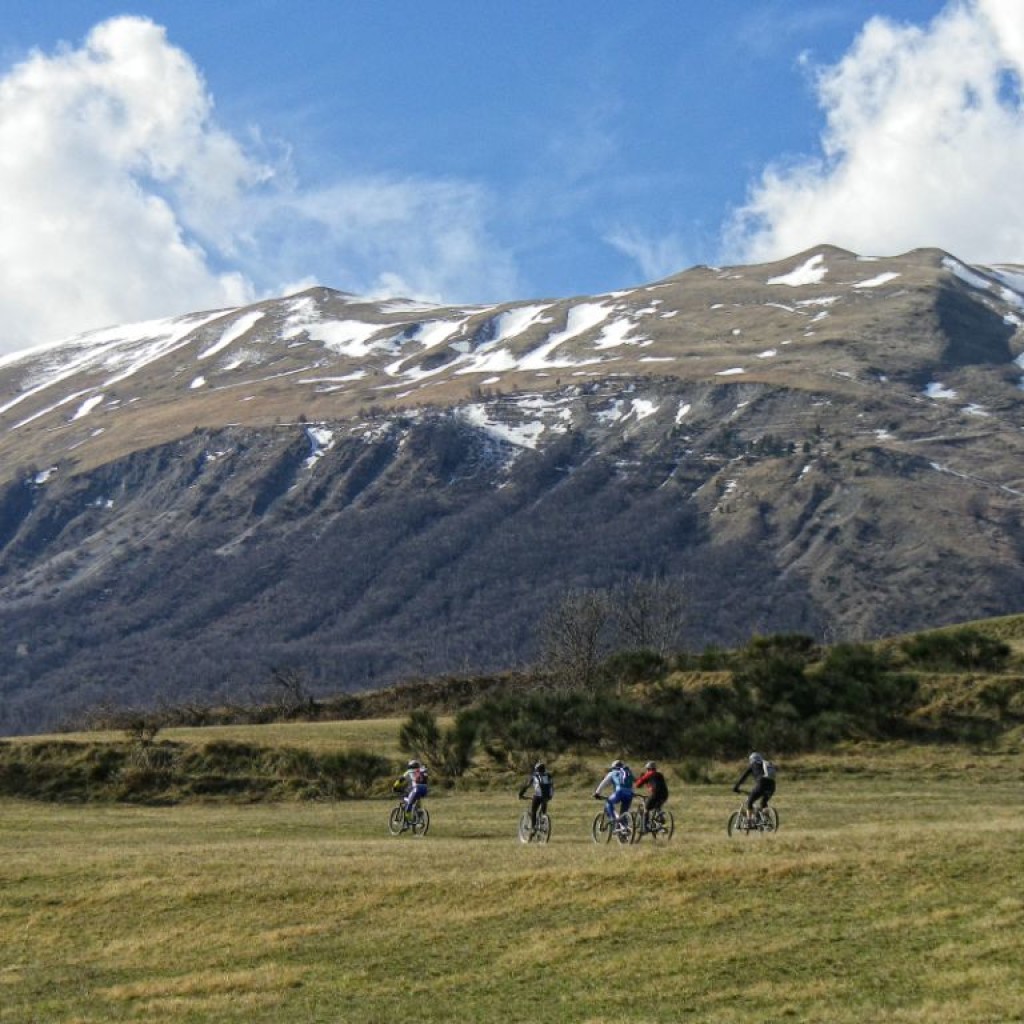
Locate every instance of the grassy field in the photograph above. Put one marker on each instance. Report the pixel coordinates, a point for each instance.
(892, 892)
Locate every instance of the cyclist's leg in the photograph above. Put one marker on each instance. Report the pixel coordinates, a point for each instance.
(536, 805)
(654, 806)
(609, 807)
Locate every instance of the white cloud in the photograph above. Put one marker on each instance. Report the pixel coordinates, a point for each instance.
(122, 199)
(923, 145)
(655, 257)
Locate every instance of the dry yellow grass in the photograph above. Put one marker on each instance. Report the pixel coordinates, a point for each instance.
(886, 895)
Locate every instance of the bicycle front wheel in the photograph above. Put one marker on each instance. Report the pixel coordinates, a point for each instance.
(396, 819)
(601, 829)
(737, 823)
(525, 828)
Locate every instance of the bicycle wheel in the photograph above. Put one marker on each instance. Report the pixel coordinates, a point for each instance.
(420, 821)
(601, 829)
(638, 826)
(663, 826)
(396, 819)
(770, 816)
(543, 833)
(525, 828)
(625, 829)
(737, 823)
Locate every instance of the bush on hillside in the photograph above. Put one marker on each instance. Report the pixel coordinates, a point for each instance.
(957, 649)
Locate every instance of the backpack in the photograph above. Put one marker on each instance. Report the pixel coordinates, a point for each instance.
(769, 769)
(627, 777)
(545, 784)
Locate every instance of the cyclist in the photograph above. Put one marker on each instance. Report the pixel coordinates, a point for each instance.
(413, 784)
(620, 778)
(657, 789)
(543, 790)
(763, 773)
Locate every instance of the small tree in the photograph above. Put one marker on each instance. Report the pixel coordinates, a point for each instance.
(450, 751)
(293, 696)
(574, 639)
(649, 613)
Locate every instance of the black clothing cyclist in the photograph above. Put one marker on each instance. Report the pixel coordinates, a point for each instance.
(763, 773)
(657, 786)
(543, 790)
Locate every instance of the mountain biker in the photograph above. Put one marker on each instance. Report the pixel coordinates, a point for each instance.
(763, 773)
(543, 790)
(620, 778)
(413, 784)
(657, 787)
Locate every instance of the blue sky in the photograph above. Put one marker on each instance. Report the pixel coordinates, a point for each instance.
(168, 157)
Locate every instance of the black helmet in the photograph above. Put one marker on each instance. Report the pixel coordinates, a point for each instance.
(539, 766)
(414, 764)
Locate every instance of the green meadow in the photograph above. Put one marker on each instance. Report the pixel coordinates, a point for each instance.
(892, 892)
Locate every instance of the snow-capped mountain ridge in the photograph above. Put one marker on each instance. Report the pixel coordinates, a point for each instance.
(367, 489)
(328, 353)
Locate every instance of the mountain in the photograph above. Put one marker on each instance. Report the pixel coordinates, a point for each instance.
(362, 490)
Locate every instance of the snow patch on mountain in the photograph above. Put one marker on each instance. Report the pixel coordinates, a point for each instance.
(813, 271)
(240, 327)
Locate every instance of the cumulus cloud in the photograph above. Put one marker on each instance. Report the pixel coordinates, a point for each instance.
(122, 199)
(923, 145)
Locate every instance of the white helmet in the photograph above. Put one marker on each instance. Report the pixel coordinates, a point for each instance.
(755, 758)
(414, 764)
(617, 764)
(650, 766)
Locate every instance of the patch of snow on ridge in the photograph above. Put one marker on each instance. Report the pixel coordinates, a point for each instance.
(87, 407)
(241, 326)
(642, 408)
(522, 435)
(939, 390)
(321, 441)
(345, 337)
(875, 282)
(732, 372)
(124, 350)
(813, 271)
(615, 334)
(582, 318)
(965, 274)
(514, 322)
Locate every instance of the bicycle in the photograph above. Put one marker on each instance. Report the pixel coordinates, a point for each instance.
(763, 819)
(416, 821)
(539, 834)
(623, 828)
(658, 824)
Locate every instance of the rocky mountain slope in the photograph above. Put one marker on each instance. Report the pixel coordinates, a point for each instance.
(365, 490)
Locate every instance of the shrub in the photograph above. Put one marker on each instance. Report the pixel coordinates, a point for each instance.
(957, 649)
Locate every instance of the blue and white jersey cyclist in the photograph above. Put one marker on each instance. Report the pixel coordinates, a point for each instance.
(620, 778)
(414, 784)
